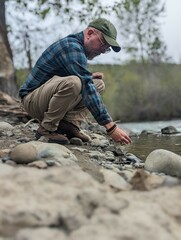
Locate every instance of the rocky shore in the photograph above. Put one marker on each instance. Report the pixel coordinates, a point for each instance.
(89, 191)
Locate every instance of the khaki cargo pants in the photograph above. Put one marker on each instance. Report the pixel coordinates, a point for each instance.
(59, 98)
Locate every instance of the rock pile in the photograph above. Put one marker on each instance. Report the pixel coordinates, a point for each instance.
(95, 191)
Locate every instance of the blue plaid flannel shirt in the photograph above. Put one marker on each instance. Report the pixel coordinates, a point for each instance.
(64, 58)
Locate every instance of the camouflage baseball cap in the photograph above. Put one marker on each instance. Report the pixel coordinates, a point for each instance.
(108, 30)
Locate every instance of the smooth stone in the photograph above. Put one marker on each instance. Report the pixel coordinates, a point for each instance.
(9, 133)
(97, 136)
(80, 149)
(4, 153)
(164, 161)
(169, 130)
(109, 156)
(50, 163)
(5, 126)
(99, 142)
(107, 166)
(115, 180)
(97, 155)
(38, 164)
(53, 151)
(133, 158)
(76, 141)
(24, 153)
(127, 174)
(148, 132)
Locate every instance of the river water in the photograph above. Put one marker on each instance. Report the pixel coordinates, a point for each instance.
(142, 145)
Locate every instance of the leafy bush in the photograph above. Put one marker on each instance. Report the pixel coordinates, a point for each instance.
(136, 92)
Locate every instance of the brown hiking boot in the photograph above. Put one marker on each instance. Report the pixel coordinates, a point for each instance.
(71, 131)
(53, 137)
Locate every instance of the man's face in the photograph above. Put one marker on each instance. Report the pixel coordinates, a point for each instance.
(95, 45)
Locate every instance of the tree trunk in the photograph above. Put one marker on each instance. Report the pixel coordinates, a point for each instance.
(7, 70)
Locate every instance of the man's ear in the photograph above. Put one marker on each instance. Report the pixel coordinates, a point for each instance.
(90, 32)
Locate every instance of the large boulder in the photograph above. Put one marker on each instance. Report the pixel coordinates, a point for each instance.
(163, 161)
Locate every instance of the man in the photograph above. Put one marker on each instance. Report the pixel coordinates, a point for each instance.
(60, 89)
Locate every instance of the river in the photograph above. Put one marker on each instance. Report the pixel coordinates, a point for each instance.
(142, 145)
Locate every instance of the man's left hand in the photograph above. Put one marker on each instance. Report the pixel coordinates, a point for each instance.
(98, 75)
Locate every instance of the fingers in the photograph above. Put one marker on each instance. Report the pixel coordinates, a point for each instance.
(126, 139)
(120, 136)
(98, 75)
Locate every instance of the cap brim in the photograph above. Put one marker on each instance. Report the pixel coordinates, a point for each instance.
(115, 46)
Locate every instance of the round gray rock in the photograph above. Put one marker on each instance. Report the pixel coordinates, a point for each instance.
(24, 153)
(163, 161)
(169, 130)
(4, 126)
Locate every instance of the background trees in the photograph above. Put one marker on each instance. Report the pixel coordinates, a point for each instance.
(27, 38)
(7, 73)
(140, 27)
(130, 96)
(137, 90)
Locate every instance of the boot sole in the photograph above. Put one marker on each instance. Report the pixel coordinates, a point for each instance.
(63, 142)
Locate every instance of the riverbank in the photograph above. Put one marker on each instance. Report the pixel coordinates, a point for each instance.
(94, 191)
(155, 126)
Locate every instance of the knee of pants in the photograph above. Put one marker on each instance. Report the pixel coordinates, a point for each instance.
(74, 84)
(100, 85)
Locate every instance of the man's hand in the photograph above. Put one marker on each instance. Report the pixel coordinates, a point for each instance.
(118, 135)
(98, 75)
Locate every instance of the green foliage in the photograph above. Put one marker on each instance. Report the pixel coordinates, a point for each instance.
(139, 21)
(44, 12)
(21, 75)
(140, 29)
(31, 24)
(136, 92)
(86, 11)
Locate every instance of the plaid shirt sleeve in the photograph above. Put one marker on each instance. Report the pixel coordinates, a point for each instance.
(77, 65)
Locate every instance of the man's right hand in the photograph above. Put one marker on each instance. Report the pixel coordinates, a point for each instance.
(118, 135)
